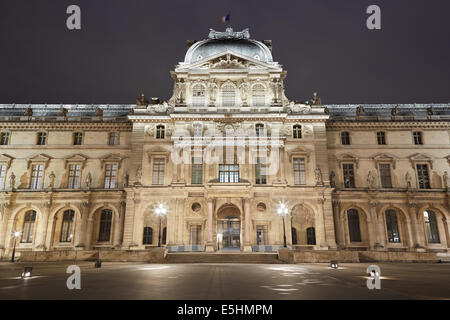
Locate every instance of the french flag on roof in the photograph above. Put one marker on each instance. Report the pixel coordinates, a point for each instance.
(225, 18)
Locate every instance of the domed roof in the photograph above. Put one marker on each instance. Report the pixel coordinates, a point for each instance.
(237, 42)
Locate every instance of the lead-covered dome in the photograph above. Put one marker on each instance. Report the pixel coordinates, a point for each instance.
(237, 42)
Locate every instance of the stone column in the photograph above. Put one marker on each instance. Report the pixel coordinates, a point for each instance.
(376, 240)
(118, 227)
(42, 228)
(80, 228)
(4, 213)
(247, 245)
(417, 228)
(337, 224)
(321, 238)
(90, 227)
(210, 245)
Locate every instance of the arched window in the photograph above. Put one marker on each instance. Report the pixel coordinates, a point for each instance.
(392, 226)
(160, 132)
(228, 96)
(294, 235)
(28, 226)
(431, 226)
(259, 128)
(353, 225)
(148, 235)
(66, 226)
(104, 233)
(311, 236)
(297, 131)
(258, 94)
(198, 96)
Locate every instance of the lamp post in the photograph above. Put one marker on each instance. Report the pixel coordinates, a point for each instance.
(16, 234)
(160, 211)
(283, 211)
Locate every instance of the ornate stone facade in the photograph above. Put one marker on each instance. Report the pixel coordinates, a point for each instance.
(220, 156)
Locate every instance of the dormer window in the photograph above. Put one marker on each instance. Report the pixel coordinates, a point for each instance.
(41, 138)
(259, 129)
(228, 96)
(78, 138)
(258, 94)
(198, 96)
(297, 131)
(160, 132)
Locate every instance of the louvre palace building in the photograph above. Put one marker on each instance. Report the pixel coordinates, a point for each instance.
(228, 163)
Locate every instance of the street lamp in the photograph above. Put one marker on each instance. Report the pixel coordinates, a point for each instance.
(16, 234)
(160, 211)
(283, 211)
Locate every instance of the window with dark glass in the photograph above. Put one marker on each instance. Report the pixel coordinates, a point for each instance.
(4, 138)
(2, 176)
(297, 131)
(261, 235)
(148, 235)
(195, 234)
(294, 235)
(385, 175)
(381, 137)
(74, 176)
(345, 138)
(393, 232)
(113, 138)
(299, 171)
(160, 132)
(353, 225)
(260, 171)
(78, 138)
(259, 128)
(110, 176)
(349, 175)
(431, 227)
(417, 137)
(197, 170)
(164, 235)
(311, 236)
(41, 138)
(104, 233)
(423, 176)
(28, 226)
(67, 225)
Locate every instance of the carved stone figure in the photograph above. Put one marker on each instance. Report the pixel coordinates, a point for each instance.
(229, 34)
(142, 101)
(371, 180)
(88, 180)
(244, 91)
(63, 112)
(360, 111)
(318, 175)
(138, 174)
(180, 91)
(445, 178)
(12, 180)
(149, 130)
(99, 112)
(315, 100)
(408, 180)
(212, 89)
(29, 112)
(126, 179)
(430, 111)
(51, 178)
(395, 111)
(332, 179)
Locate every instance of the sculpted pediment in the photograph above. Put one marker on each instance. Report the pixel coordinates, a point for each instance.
(112, 158)
(421, 157)
(39, 158)
(6, 159)
(77, 158)
(385, 157)
(230, 60)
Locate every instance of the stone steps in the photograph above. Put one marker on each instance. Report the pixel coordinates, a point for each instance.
(263, 258)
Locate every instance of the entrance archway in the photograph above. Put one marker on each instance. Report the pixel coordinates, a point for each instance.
(229, 227)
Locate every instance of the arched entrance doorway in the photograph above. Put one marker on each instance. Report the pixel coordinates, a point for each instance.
(229, 228)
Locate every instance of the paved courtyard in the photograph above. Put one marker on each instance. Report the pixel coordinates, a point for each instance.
(225, 281)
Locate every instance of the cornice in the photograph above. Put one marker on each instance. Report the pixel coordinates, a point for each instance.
(393, 125)
(68, 126)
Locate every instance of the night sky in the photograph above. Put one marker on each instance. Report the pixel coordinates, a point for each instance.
(127, 47)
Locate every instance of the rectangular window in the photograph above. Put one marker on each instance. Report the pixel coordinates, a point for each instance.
(195, 235)
(37, 171)
(417, 137)
(229, 173)
(197, 171)
(349, 175)
(381, 138)
(299, 171)
(4, 138)
(385, 175)
(158, 171)
(2, 176)
(261, 235)
(423, 176)
(345, 138)
(78, 138)
(110, 176)
(74, 176)
(66, 227)
(261, 171)
(41, 138)
(113, 138)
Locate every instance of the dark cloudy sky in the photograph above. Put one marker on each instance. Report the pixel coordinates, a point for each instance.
(127, 47)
